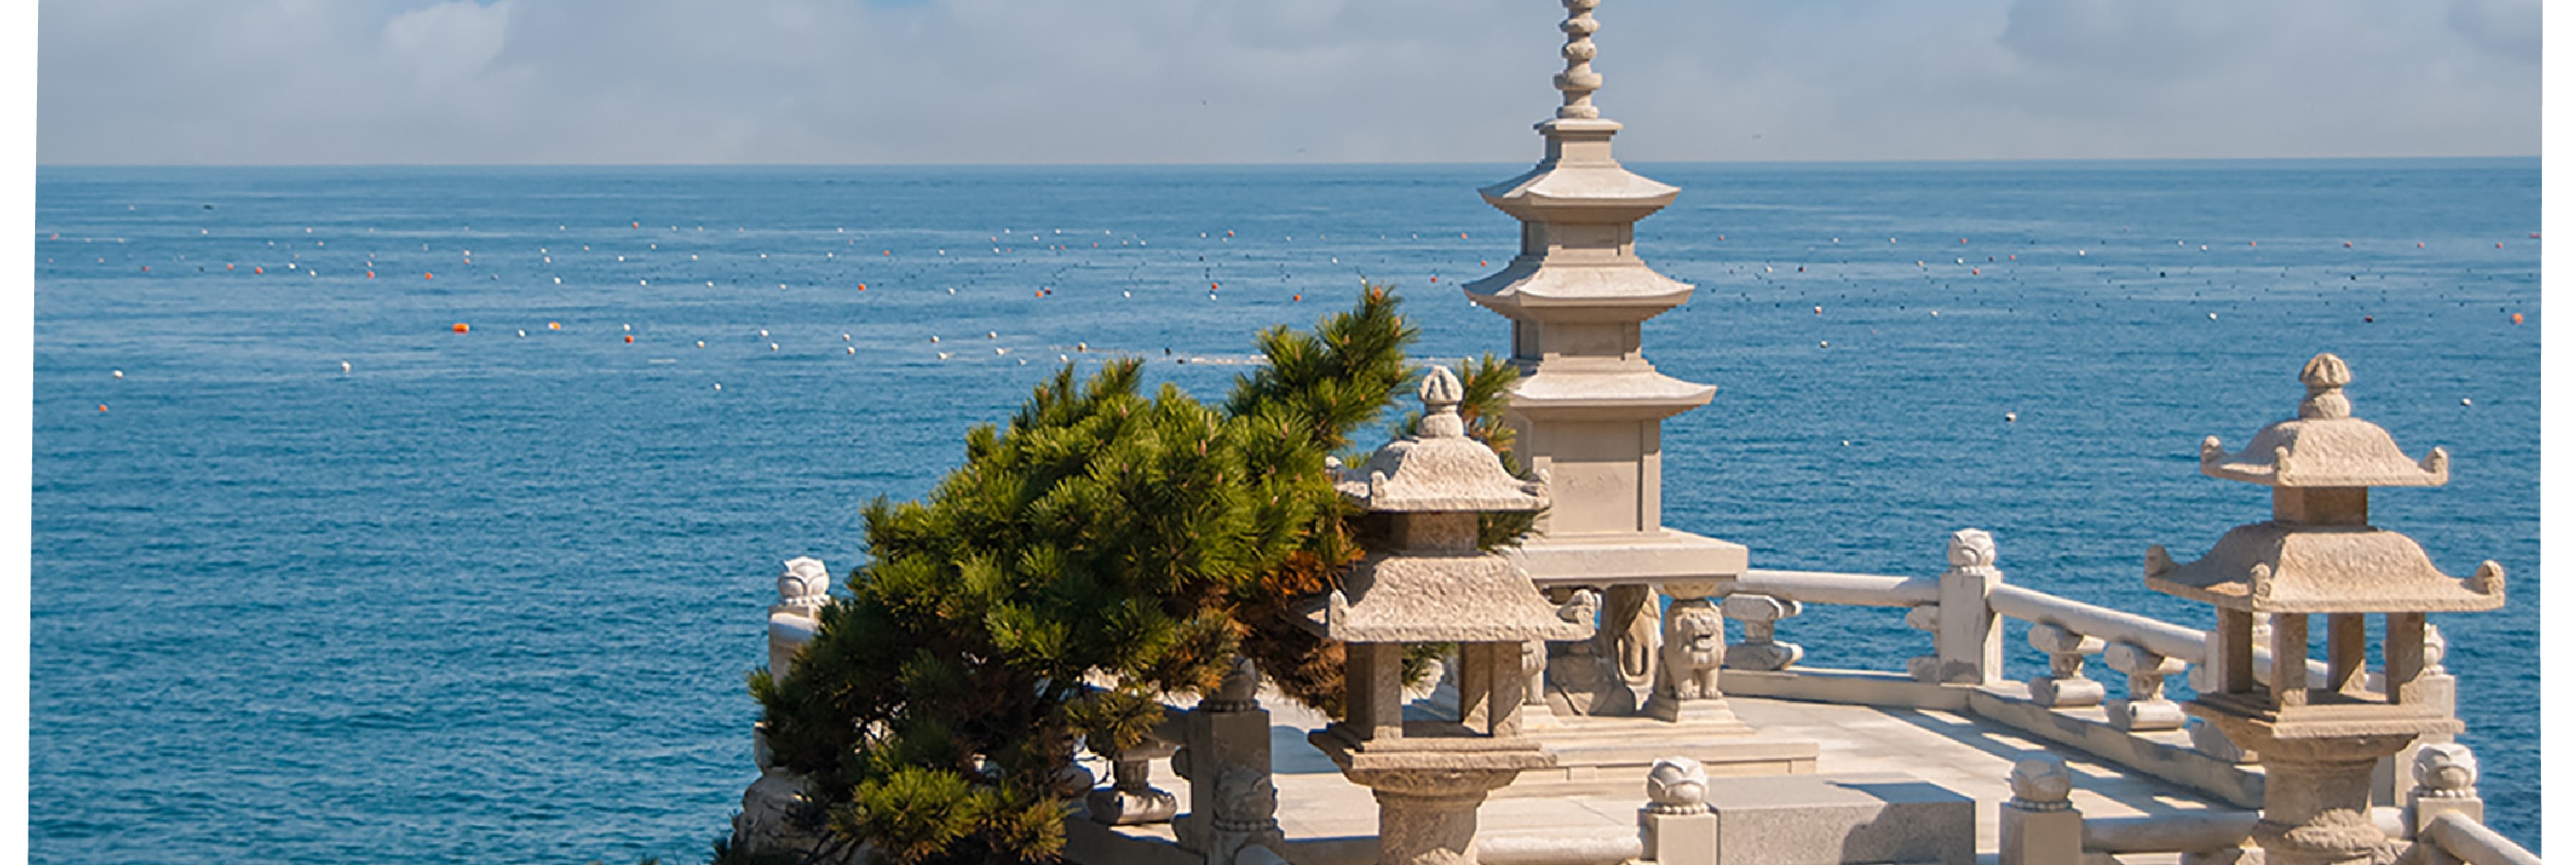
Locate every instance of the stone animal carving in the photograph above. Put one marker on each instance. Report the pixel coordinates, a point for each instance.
(1694, 647)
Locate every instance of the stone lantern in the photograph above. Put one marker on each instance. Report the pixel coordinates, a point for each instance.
(2319, 555)
(1425, 581)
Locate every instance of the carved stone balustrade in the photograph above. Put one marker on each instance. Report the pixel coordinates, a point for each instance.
(2144, 708)
(1761, 648)
(1131, 796)
(2065, 685)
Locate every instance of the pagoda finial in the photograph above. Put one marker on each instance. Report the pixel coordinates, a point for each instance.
(2325, 375)
(1440, 394)
(1578, 80)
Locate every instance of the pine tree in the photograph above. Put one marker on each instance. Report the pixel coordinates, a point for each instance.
(1103, 549)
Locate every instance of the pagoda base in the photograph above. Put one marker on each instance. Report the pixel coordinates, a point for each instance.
(1656, 558)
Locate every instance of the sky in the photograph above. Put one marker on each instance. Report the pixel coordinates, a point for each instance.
(1271, 81)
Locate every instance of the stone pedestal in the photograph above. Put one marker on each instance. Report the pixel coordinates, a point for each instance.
(2316, 799)
(1428, 786)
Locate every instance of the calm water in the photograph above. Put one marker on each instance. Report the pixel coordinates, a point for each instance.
(486, 597)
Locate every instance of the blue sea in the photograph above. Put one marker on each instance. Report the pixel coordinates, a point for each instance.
(489, 596)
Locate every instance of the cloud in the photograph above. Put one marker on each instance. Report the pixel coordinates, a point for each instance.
(931, 81)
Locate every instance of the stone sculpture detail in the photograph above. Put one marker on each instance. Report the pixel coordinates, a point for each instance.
(1694, 647)
(2041, 784)
(1578, 80)
(1677, 785)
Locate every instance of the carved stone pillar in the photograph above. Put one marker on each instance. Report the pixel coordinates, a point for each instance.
(2038, 825)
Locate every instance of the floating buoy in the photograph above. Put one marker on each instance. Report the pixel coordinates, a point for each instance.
(992, 334)
(558, 280)
(2347, 244)
(1462, 235)
(863, 286)
(2213, 316)
(258, 269)
(773, 346)
(934, 339)
(630, 338)
(1296, 298)
(2419, 244)
(1936, 313)
(102, 408)
(372, 274)
(2010, 417)
(118, 373)
(854, 350)
(523, 334)
(764, 333)
(423, 275)
(2367, 319)
(2499, 245)
(1822, 343)
(2517, 318)
(344, 366)
(702, 343)
(554, 325)
(719, 386)
(1820, 310)
(1211, 286)
(2465, 401)
(459, 327)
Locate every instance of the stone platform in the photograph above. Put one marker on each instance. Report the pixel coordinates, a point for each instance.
(1330, 821)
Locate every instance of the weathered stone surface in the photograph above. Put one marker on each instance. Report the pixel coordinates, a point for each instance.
(1827, 820)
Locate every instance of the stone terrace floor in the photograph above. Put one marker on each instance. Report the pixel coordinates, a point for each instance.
(1950, 750)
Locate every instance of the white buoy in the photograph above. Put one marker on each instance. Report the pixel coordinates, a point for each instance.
(773, 346)
(523, 334)
(943, 355)
(2213, 316)
(118, 373)
(934, 339)
(2465, 401)
(344, 366)
(952, 291)
(702, 343)
(629, 328)
(2010, 417)
(853, 350)
(558, 280)
(719, 386)
(990, 334)
(845, 337)
(1822, 343)
(1126, 294)
(764, 333)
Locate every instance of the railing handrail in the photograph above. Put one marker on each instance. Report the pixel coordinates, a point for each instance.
(1852, 590)
(2163, 638)
(2191, 832)
(2473, 842)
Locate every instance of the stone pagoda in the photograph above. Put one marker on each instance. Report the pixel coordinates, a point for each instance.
(1426, 582)
(1588, 415)
(2319, 555)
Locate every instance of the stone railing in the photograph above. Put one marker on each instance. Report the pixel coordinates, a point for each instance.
(2439, 824)
(2141, 727)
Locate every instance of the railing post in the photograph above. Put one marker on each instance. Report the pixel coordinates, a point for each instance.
(1970, 639)
(1226, 758)
(2038, 826)
(1761, 649)
(2065, 685)
(802, 589)
(1676, 826)
(2144, 708)
(2446, 782)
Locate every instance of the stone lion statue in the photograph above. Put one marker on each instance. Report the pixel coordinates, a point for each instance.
(1694, 646)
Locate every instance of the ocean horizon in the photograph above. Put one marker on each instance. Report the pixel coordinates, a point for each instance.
(388, 512)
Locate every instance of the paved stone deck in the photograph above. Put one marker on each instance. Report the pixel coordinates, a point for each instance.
(1950, 750)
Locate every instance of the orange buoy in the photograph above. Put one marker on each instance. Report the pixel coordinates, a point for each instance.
(1462, 235)
(258, 269)
(459, 327)
(1211, 286)
(1435, 280)
(2517, 318)
(102, 408)
(630, 337)
(228, 266)
(863, 286)
(1297, 298)
(148, 268)
(554, 325)
(427, 275)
